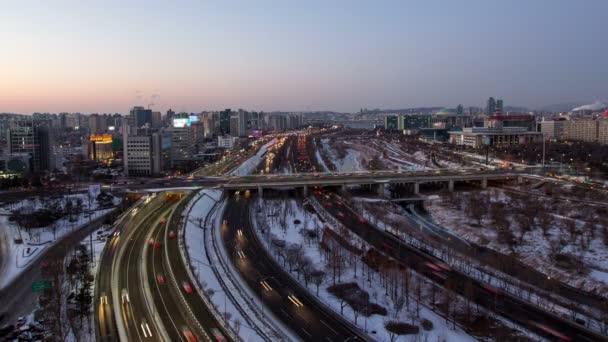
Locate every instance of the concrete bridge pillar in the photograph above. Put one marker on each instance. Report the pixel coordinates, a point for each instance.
(382, 190)
(520, 180)
(451, 185)
(416, 188)
(260, 191)
(484, 183)
(343, 187)
(305, 190)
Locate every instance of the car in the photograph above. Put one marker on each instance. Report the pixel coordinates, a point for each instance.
(491, 289)
(217, 335)
(157, 245)
(443, 266)
(340, 203)
(117, 233)
(556, 334)
(433, 267)
(124, 296)
(340, 214)
(151, 242)
(171, 234)
(188, 334)
(362, 220)
(187, 287)
(326, 204)
(160, 279)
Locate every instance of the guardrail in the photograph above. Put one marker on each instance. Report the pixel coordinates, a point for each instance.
(183, 251)
(274, 330)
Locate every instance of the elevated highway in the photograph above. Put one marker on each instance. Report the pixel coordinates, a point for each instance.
(340, 179)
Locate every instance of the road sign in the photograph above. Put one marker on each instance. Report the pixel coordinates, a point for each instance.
(39, 286)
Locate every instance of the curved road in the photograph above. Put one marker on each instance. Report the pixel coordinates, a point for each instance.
(310, 321)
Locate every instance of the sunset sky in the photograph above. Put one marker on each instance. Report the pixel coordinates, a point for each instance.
(107, 56)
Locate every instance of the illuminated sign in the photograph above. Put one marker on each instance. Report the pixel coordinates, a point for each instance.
(181, 122)
(194, 118)
(111, 128)
(101, 138)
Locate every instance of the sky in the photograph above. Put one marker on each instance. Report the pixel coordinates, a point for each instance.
(107, 56)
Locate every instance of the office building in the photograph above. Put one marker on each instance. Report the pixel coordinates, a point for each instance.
(224, 120)
(416, 122)
(100, 148)
(156, 120)
(141, 117)
(391, 123)
(142, 154)
(553, 129)
(581, 130)
(459, 110)
(31, 138)
(98, 123)
(498, 130)
(491, 106)
(226, 142)
(181, 145)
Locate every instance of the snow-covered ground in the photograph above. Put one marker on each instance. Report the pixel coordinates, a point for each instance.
(290, 225)
(536, 248)
(249, 166)
(216, 283)
(351, 162)
(359, 153)
(17, 256)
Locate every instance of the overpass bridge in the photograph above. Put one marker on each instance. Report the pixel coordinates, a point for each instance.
(381, 180)
(378, 180)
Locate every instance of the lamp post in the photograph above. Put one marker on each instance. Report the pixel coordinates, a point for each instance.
(215, 290)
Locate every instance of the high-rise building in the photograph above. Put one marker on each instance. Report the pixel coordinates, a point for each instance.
(141, 116)
(224, 120)
(391, 123)
(156, 120)
(234, 125)
(142, 154)
(460, 110)
(181, 145)
(31, 138)
(491, 106)
(98, 123)
(499, 108)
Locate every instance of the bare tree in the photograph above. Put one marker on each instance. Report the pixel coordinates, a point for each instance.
(52, 306)
(545, 221)
(317, 278)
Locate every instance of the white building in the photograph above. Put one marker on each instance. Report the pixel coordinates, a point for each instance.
(142, 154)
(226, 142)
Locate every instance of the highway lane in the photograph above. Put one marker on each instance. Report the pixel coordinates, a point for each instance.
(510, 307)
(105, 329)
(307, 319)
(196, 306)
(514, 268)
(137, 319)
(167, 303)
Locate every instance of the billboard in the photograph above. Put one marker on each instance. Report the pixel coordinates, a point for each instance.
(181, 122)
(193, 118)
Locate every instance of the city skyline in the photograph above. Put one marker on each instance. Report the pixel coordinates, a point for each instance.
(106, 57)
